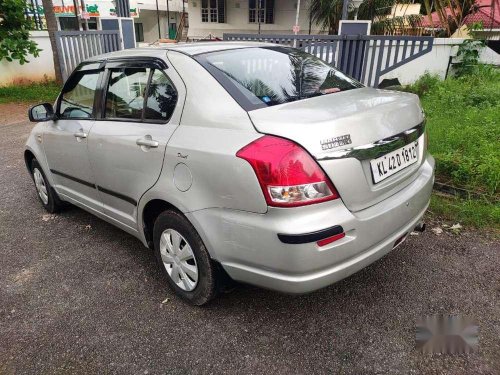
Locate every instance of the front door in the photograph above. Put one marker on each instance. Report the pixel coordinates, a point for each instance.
(65, 140)
(127, 145)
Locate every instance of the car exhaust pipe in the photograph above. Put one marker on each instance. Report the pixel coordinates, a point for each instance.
(420, 227)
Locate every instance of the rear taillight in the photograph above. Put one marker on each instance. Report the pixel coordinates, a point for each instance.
(288, 175)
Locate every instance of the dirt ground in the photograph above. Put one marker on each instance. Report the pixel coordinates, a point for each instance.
(78, 295)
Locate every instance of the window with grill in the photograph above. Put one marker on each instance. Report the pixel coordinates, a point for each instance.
(213, 11)
(261, 11)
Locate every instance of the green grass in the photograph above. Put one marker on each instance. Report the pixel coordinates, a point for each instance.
(463, 124)
(30, 93)
(476, 213)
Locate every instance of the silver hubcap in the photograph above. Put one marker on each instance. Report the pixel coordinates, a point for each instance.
(178, 259)
(41, 188)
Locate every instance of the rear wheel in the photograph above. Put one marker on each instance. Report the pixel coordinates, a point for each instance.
(47, 195)
(184, 259)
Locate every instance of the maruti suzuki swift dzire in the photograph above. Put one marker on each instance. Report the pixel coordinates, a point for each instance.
(246, 161)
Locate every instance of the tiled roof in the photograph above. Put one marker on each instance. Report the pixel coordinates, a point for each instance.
(482, 12)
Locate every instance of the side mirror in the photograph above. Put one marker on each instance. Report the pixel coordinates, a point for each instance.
(41, 112)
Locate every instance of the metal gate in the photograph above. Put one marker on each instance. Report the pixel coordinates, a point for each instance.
(363, 57)
(73, 47)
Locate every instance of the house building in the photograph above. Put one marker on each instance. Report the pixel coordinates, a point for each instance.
(150, 16)
(146, 24)
(216, 17)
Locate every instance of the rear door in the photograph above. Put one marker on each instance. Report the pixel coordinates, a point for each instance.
(65, 139)
(140, 112)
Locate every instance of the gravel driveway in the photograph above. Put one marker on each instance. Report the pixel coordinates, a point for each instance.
(80, 296)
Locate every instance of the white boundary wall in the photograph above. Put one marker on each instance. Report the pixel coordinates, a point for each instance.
(37, 69)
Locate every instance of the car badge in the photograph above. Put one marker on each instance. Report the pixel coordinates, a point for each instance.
(328, 144)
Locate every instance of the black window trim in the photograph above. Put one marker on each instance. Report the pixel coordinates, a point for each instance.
(83, 67)
(102, 66)
(151, 63)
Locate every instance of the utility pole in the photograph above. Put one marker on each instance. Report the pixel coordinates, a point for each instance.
(50, 18)
(345, 7)
(158, 18)
(296, 23)
(84, 12)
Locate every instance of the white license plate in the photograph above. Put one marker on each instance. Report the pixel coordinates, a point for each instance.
(393, 162)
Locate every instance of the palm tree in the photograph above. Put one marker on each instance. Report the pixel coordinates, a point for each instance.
(451, 13)
(326, 14)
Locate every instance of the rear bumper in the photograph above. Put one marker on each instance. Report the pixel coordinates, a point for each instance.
(248, 247)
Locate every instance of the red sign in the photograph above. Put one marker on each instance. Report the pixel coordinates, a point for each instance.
(296, 29)
(85, 15)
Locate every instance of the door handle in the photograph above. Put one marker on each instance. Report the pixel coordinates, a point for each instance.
(80, 134)
(147, 142)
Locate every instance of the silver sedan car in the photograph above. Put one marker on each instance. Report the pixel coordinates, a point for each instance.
(236, 161)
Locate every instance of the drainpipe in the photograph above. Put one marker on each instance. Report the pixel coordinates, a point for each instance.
(258, 14)
(168, 20)
(310, 22)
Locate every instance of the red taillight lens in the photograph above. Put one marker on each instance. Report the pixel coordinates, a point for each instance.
(288, 175)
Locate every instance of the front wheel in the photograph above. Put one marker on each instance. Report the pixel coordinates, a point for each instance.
(184, 259)
(47, 195)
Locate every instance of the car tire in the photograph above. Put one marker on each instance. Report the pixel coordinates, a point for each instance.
(46, 193)
(172, 232)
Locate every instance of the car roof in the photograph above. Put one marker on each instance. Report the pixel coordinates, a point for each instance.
(190, 49)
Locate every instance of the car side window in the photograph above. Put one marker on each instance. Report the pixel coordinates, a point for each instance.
(77, 99)
(161, 99)
(126, 91)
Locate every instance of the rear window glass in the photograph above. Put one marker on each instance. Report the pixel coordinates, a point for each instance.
(276, 75)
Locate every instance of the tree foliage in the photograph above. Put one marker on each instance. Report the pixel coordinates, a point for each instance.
(15, 43)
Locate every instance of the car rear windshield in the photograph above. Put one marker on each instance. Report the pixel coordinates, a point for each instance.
(276, 75)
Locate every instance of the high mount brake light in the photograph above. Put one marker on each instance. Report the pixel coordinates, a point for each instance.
(288, 175)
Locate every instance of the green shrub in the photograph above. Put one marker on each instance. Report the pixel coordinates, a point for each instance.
(424, 84)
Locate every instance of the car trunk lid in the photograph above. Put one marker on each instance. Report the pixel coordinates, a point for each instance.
(329, 127)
